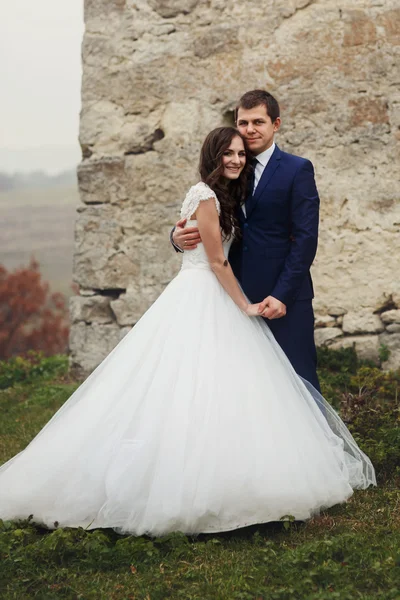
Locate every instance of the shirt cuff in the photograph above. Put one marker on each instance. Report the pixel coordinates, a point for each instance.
(175, 246)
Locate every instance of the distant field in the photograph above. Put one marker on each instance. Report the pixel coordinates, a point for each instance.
(40, 223)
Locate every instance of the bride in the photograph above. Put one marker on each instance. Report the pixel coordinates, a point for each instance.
(196, 421)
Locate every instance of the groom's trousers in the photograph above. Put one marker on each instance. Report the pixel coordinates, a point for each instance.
(295, 334)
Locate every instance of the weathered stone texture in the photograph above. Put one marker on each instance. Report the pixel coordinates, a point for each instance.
(366, 346)
(391, 341)
(391, 316)
(102, 181)
(393, 328)
(172, 8)
(325, 321)
(362, 322)
(324, 335)
(90, 309)
(98, 341)
(159, 74)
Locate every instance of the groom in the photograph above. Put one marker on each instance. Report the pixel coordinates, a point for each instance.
(279, 224)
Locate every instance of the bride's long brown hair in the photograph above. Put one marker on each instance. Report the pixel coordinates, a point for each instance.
(231, 193)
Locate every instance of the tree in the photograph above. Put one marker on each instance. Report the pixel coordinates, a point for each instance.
(31, 318)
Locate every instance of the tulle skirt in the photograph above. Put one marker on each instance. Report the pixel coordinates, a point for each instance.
(196, 422)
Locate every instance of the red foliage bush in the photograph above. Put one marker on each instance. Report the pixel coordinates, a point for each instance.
(31, 318)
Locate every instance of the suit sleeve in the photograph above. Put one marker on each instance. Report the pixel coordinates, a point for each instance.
(175, 247)
(304, 230)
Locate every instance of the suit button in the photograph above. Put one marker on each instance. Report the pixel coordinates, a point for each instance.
(246, 224)
(245, 248)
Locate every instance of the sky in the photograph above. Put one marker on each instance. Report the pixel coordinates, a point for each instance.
(40, 79)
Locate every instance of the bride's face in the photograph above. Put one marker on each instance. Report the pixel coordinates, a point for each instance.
(234, 159)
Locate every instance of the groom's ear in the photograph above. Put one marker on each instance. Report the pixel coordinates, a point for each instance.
(277, 124)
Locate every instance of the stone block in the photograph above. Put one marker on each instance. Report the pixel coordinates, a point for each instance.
(392, 342)
(390, 20)
(325, 335)
(359, 29)
(391, 316)
(336, 311)
(90, 309)
(368, 110)
(366, 346)
(100, 260)
(128, 308)
(172, 8)
(95, 8)
(90, 344)
(362, 322)
(215, 40)
(102, 180)
(324, 321)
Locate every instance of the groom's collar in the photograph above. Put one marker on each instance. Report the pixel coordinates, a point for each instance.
(264, 157)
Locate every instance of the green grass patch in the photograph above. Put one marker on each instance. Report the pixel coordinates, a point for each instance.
(368, 400)
(351, 551)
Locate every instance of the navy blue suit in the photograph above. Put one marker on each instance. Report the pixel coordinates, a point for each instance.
(278, 246)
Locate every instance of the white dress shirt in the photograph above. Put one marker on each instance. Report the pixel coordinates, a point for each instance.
(263, 160)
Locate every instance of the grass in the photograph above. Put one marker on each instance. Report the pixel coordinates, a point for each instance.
(350, 552)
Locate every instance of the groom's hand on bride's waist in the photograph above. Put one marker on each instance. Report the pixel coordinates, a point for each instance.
(272, 308)
(185, 238)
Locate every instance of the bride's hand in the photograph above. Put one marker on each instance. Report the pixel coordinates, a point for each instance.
(252, 310)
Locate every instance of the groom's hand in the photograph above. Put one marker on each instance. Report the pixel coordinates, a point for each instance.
(186, 238)
(272, 308)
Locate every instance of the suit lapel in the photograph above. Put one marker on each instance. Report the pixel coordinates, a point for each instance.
(268, 172)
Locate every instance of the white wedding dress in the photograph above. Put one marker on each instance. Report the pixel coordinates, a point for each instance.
(196, 422)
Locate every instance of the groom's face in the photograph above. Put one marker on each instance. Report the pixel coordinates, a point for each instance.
(256, 126)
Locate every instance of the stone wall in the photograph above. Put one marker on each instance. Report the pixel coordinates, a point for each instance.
(159, 74)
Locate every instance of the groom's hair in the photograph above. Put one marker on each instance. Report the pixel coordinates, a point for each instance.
(256, 98)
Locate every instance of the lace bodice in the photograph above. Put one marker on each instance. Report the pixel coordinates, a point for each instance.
(198, 258)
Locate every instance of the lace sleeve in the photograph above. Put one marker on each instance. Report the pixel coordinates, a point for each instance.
(195, 195)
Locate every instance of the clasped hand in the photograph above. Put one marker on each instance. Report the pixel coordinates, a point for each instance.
(271, 308)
